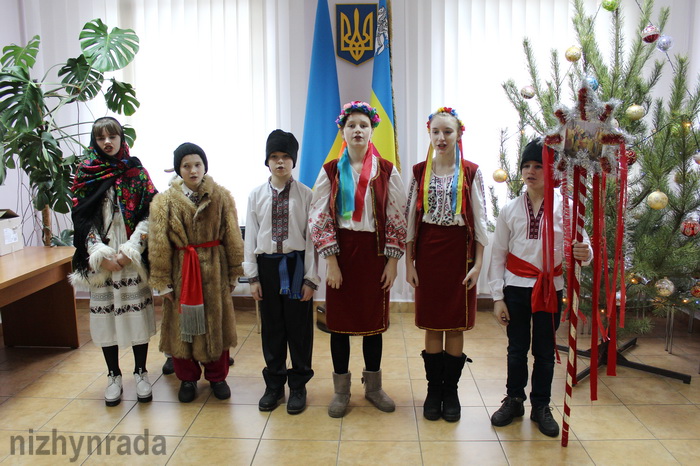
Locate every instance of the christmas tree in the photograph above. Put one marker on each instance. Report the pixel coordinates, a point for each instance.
(662, 240)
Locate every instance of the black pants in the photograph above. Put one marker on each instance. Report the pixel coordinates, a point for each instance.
(525, 328)
(285, 323)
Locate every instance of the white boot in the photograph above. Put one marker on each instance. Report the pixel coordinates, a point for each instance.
(113, 392)
(143, 387)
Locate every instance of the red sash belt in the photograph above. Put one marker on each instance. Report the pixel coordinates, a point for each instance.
(191, 294)
(544, 295)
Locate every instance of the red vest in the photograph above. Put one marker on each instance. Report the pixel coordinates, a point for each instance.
(469, 170)
(379, 189)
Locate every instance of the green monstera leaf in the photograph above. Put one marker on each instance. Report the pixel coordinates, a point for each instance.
(15, 55)
(3, 164)
(61, 195)
(108, 51)
(130, 135)
(121, 98)
(80, 79)
(41, 157)
(21, 100)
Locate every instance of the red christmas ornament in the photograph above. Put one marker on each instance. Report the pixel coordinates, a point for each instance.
(690, 228)
(695, 290)
(650, 34)
(631, 157)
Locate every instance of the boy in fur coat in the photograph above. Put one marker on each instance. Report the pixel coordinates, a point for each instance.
(196, 252)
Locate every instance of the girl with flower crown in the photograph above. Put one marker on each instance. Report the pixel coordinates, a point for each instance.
(112, 194)
(357, 223)
(445, 245)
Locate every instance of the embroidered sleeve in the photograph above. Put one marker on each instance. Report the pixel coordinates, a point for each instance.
(396, 217)
(499, 252)
(311, 284)
(411, 210)
(479, 209)
(322, 225)
(310, 254)
(250, 261)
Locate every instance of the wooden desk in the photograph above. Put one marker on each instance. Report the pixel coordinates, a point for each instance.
(36, 300)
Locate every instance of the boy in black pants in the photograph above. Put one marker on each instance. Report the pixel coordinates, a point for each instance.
(514, 272)
(281, 265)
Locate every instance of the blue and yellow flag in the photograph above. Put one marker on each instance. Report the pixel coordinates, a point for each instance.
(322, 139)
(382, 99)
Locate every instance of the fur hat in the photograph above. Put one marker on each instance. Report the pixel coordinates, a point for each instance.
(188, 148)
(532, 152)
(282, 141)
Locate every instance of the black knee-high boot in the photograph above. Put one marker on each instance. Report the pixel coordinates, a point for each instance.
(451, 409)
(434, 364)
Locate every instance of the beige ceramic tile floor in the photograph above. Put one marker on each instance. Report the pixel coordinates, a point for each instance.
(639, 418)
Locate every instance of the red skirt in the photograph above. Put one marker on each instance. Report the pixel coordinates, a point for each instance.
(442, 301)
(360, 306)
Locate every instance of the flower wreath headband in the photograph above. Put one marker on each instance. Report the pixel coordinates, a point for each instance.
(458, 178)
(449, 111)
(358, 106)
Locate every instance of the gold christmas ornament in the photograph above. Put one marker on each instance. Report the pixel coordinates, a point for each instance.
(635, 112)
(695, 290)
(657, 200)
(573, 53)
(500, 175)
(528, 92)
(665, 287)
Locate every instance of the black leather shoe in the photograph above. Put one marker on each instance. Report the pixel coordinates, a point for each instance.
(511, 408)
(188, 391)
(168, 367)
(542, 415)
(297, 400)
(221, 390)
(271, 399)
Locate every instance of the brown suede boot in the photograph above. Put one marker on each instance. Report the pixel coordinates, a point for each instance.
(340, 400)
(374, 392)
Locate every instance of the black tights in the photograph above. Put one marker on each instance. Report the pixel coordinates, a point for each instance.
(111, 354)
(340, 352)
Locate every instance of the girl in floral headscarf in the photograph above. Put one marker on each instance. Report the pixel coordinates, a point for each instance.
(112, 192)
(357, 223)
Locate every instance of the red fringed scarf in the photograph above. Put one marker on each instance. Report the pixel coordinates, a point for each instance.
(192, 318)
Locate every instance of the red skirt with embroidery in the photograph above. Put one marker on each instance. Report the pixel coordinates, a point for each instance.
(359, 306)
(442, 301)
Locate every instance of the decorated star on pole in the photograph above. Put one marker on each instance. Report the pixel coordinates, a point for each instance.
(588, 141)
(587, 135)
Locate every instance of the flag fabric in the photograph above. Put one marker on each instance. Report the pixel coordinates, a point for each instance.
(382, 98)
(322, 140)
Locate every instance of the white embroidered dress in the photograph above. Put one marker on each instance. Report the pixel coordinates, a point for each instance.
(121, 303)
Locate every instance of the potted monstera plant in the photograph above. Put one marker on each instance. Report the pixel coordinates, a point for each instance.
(32, 140)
